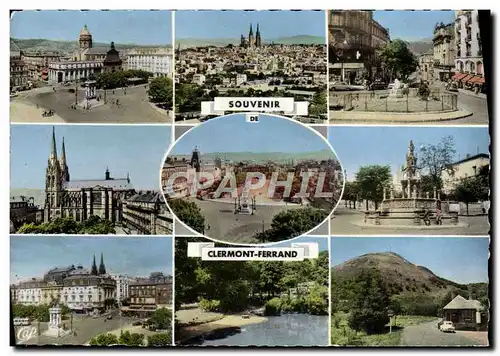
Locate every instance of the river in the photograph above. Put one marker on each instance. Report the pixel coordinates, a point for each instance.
(284, 330)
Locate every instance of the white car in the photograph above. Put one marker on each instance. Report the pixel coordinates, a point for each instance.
(447, 327)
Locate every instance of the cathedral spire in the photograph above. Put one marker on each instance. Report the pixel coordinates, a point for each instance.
(258, 32)
(102, 268)
(251, 31)
(63, 154)
(53, 152)
(94, 267)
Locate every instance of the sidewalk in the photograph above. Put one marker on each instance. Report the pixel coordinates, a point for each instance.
(471, 93)
(20, 112)
(395, 117)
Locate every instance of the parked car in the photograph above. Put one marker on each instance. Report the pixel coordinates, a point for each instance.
(390, 86)
(447, 327)
(378, 85)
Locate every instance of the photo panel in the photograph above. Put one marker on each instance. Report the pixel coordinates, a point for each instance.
(407, 67)
(229, 295)
(79, 70)
(229, 61)
(88, 179)
(410, 291)
(91, 291)
(413, 180)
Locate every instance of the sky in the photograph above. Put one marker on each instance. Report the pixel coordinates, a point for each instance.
(358, 146)
(32, 256)
(122, 27)
(412, 25)
(462, 260)
(137, 150)
(233, 24)
(233, 134)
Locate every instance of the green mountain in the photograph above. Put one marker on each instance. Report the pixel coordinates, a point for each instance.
(66, 47)
(402, 277)
(221, 42)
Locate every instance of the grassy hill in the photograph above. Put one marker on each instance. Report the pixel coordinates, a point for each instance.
(40, 44)
(421, 46)
(221, 42)
(403, 277)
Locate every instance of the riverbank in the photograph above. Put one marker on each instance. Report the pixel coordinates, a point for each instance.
(224, 325)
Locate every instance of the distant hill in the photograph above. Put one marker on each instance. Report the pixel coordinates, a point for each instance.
(66, 47)
(221, 42)
(421, 46)
(401, 276)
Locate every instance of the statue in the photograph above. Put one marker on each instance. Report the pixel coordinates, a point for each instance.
(411, 160)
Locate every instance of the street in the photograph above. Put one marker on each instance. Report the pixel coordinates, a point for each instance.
(85, 327)
(477, 106)
(134, 107)
(427, 334)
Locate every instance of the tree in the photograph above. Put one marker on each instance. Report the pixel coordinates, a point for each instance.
(93, 225)
(189, 213)
(161, 91)
(468, 190)
(351, 193)
(371, 181)
(435, 159)
(370, 303)
(162, 319)
(104, 340)
(318, 104)
(160, 340)
(397, 57)
(291, 223)
(131, 339)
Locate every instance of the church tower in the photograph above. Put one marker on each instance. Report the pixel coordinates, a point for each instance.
(85, 38)
(53, 182)
(64, 166)
(102, 268)
(258, 40)
(251, 39)
(195, 159)
(93, 270)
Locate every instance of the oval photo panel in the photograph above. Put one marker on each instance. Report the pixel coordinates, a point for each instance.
(252, 179)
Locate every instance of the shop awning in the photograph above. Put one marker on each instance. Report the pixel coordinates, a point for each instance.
(477, 79)
(466, 78)
(458, 76)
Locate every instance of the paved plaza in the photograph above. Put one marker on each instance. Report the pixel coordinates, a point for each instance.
(350, 222)
(85, 327)
(133, 107)
(221, 223)
(471, 110)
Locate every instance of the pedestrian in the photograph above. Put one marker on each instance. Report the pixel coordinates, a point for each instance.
(483, 208)
(426, 218)
(439, 216)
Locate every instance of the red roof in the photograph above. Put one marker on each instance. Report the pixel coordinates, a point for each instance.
(459, 76)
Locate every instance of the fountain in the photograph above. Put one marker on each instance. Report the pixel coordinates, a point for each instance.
(411, 204)
(55, 328)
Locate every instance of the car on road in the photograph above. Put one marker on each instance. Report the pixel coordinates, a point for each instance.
(378, 85)
(447, 327)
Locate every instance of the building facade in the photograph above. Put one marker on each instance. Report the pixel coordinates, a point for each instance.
(469, 58)
(353, 38)
(24, 211)
(146, 213)
(444, 47)
(468, 167)
(154, 60)
(19, 74)
(149, 294)
(76, 287)
(122, 286)
(426, 66)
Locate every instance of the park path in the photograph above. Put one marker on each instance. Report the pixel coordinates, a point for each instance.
(427, 334)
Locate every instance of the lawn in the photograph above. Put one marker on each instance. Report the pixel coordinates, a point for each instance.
(343, 335)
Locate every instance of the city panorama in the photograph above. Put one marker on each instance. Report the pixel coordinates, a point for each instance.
(250, 54)
(243, 182)
(81, 69)
(86, 179)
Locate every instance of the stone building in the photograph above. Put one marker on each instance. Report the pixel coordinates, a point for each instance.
(24, 211)
(469, 54)
(444, 46)
(81, 290)
(425, 66)
(154, 60)
(86, 61)
(146, 213)
(122, 286)
(148, 294)
(251, 41)
(38, 63)
(468, 167)
(81, 199)
(353, 38)
(19, 74)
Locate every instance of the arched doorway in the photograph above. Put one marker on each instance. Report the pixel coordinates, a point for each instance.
(460, 66)
(479, 68)
(59, 77)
